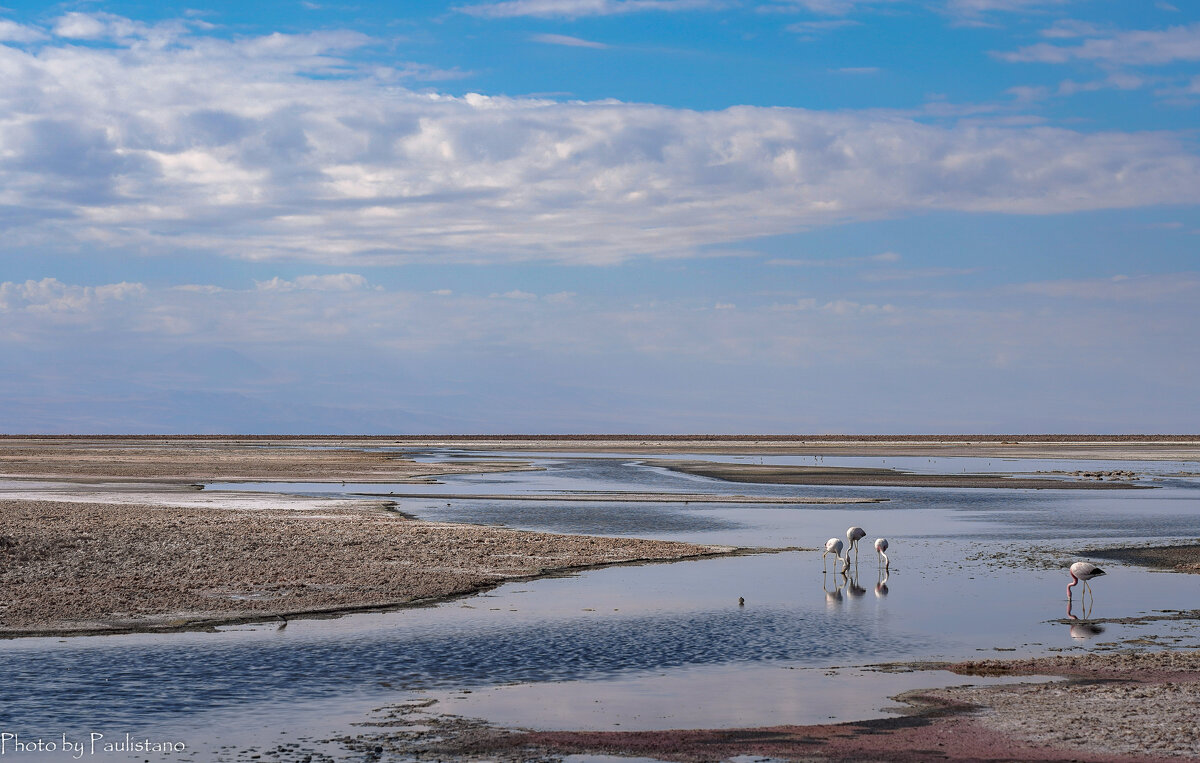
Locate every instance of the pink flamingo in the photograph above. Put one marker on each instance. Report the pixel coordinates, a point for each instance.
(1083, 571)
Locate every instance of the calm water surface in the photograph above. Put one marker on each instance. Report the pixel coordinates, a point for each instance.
(647, 646)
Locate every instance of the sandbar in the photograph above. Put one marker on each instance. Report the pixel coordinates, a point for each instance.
(875, 477)
(86, 568)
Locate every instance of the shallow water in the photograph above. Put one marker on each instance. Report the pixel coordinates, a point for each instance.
(973, 571)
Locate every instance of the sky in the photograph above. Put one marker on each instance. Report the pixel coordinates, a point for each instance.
(600, 216)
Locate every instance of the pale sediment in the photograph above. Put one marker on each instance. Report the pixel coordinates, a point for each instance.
(877, 477)
(86, 567)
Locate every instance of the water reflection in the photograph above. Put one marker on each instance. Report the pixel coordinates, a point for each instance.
(881, 587)
(1082, 629)
(162, 679)
(845, 583)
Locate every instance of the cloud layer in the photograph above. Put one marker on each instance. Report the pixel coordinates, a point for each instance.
(165, 141)
(131, 357)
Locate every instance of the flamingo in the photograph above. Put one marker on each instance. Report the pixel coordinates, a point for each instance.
(832, 546)
(854, 535)
(1084, 571)
(881, 546)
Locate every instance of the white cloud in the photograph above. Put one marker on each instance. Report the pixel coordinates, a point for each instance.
(1114, 81)
(51, 296)
(1066, 29)
(236, 149)
(1130, 48)
(578, 8)
(976, 7)
(336, 282)
(838, 307)
(81, 26)
(181, 357)
(516, 294)
(809, 30)
(11, 31)
(199, 288)
(568, 41)
(823, 7)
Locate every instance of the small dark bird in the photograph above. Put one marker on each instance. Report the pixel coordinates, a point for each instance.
(741, 601)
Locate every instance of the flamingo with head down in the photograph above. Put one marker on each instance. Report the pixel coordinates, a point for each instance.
(853, 536)
(881, 546)
(832, 546)
(1083, 572)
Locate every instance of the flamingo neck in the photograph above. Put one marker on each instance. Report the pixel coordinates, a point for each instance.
(1074, 580)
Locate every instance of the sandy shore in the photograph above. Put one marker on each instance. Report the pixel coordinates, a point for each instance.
(86, 567)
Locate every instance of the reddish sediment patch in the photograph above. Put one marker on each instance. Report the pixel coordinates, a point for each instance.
(1115, 708)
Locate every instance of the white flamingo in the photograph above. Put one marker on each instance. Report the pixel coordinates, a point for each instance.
(832, 546)
(881, 547)
(854, 535)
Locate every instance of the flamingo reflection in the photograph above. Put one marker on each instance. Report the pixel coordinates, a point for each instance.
(834, 597)
(1081, 629)
(881, 588)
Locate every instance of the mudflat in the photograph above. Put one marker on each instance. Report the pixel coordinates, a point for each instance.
(1183, 558)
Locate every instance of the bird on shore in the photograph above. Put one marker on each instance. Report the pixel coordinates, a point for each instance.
(854, 535)
(881, 546)
(832, 546)
(1083, 571)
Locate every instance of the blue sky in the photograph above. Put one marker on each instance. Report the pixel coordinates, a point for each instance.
(600, 216)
